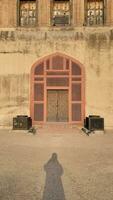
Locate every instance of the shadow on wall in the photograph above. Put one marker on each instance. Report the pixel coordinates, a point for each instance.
(53, 189)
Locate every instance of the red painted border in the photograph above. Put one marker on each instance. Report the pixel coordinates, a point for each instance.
(32, 89)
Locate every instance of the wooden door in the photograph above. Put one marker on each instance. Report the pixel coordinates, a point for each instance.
(57, 105)
(51, 105)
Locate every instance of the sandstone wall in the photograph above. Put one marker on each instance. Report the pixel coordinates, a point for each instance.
(9, 13)
(20, 48)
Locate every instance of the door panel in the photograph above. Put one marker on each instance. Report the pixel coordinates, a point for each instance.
(62, 105)
(57, 105)
(51, 105)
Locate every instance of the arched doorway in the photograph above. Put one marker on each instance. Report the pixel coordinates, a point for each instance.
(57, 90)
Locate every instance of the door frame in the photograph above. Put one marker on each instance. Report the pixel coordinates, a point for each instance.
(57, 89)
(50, 57)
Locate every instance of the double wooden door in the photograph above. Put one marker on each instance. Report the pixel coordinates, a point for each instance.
(57, 105)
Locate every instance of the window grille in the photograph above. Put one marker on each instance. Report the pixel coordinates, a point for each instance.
(27, 14)
(60, 12)
(94, 12)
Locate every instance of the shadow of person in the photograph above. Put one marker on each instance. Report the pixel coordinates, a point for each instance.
(53, 189)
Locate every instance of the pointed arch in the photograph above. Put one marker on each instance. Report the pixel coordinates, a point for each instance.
(57, 72)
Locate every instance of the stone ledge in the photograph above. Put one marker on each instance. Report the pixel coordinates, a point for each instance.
(28, 34)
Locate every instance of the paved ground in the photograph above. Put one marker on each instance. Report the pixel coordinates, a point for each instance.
(56, 164)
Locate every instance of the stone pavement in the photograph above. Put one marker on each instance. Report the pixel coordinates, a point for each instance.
(56, 164)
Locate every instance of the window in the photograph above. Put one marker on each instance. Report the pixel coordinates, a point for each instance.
(60, 12)
(27, 13)
(94, 12)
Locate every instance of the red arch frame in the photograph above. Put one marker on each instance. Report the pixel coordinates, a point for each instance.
(82, 85)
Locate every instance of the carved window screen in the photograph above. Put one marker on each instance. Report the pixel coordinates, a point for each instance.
(62, 73)
(57, 63)
(94, 12)
(60, 12)
(27, 14)
(38, 112)
(39, 70)
(76, 112)
(76, 69)
(38, 92)
(57, 82)
(76, 92)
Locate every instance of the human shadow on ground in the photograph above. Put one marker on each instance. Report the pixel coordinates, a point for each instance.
(53, 189)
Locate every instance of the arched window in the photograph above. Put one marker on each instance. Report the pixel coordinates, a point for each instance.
(94, 12)
(27, 13)
(60, 12)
